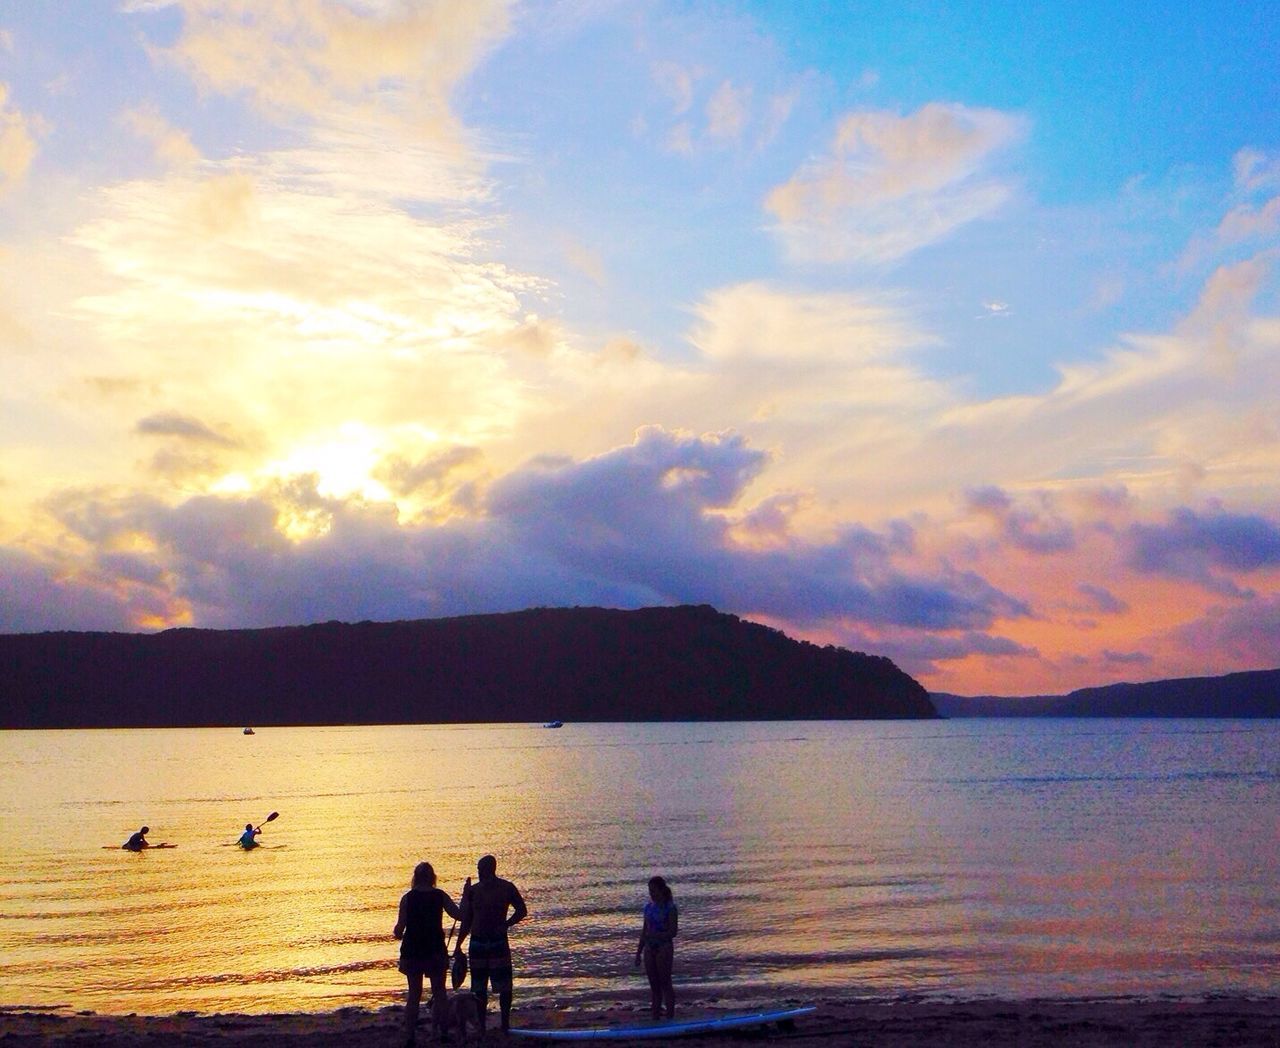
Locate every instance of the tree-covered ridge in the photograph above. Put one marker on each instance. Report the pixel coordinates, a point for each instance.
(596, 664)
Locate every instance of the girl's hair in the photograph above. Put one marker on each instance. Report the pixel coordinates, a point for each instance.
(661, 888)
(424, 875)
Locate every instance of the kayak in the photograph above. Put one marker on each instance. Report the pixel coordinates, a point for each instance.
(149, 847)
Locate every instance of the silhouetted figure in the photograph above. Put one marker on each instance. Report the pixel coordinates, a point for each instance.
(249, 839)
(485, 919)
(657, 946)
(420, 929)
(138, 841)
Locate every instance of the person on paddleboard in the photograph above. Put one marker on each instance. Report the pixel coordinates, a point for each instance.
(420, 929)
(249, 839)
(657, 946)
(485, 918)
(138, 841)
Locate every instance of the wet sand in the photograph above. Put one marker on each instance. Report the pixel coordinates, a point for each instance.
(1223, 1022)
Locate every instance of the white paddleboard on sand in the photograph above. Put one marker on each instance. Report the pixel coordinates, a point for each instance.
(673, 1028)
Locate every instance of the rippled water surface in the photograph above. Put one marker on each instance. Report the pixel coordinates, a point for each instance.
(955, 858)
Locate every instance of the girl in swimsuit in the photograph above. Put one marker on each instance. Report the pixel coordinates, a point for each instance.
(420, 930)
(657, 946)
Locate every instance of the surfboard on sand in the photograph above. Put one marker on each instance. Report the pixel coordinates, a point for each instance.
(674, 1028)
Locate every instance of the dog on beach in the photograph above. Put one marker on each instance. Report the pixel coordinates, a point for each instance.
(464, 1012)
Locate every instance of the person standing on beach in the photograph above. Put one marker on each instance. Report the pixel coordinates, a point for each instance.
(420, 929)
(657, 946)
(485, 918)
(138, 841)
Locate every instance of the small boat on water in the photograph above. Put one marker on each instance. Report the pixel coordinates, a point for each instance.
(554, 724)
(250, 731)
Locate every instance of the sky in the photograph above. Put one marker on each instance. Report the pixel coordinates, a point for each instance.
(943, 331)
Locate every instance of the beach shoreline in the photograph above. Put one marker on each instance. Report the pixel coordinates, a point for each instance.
(870, 1024)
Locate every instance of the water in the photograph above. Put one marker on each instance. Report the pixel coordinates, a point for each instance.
(943, 859)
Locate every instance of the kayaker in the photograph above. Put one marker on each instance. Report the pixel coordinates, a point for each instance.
(249, 839)
(138, 841)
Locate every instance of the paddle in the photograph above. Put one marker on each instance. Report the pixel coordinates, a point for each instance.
(457, 970)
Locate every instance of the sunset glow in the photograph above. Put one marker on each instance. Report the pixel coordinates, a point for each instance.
(949, 336)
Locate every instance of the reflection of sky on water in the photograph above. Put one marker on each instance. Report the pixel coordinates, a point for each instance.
(1010, 858)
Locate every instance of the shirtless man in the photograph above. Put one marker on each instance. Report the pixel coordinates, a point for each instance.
(485, 919)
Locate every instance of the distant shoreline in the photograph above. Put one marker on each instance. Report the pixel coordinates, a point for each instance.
(1247, 695)
(1029, 1023)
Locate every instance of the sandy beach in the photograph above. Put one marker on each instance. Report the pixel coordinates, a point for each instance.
(1234, 1022)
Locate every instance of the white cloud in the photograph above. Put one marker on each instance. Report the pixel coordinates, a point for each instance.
(353, 64)
(727, 111)
(1250, 220)
(1247, 222)
(762, 323)
(776, 116)
(724, 116)
(17, 143)
(677, 83)
(893, 184)
(1143, 412)
(172, 146)
(679, 139)
(1255, 169)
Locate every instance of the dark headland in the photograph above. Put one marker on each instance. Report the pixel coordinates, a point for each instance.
(581, 664)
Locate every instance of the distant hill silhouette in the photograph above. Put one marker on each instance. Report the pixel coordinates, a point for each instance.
(682, 663)
(1252, 694)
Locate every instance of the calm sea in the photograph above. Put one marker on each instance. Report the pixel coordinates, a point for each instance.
(944, 859)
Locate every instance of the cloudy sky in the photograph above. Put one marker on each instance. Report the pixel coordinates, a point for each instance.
(949, 332)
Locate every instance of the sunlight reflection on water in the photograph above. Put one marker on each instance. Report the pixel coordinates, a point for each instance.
(961, 858)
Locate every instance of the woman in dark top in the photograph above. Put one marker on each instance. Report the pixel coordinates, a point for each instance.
(419, 927)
